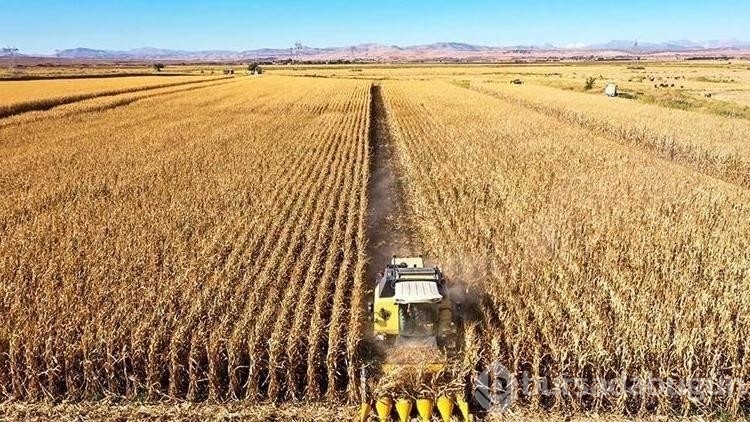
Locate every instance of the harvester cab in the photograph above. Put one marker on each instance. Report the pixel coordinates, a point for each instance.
(411, 306)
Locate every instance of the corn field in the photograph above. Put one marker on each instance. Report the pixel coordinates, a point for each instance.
(595, 260)
(195, 246)
(205, 240)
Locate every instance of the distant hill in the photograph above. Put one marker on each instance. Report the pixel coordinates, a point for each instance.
(676, 46)
(440, 50)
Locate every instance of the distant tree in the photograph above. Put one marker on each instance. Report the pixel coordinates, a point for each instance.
(158, 66)
(254, 68)
(590, 82)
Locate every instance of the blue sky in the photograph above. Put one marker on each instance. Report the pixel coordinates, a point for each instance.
(44, 26)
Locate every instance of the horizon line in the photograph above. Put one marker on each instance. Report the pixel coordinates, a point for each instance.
(571, 46)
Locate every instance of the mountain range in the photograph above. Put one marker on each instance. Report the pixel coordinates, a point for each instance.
(441, 50)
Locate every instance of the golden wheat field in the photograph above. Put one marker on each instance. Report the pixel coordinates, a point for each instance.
(195, 246)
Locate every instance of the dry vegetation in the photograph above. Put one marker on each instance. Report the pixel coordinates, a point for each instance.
(711, 87)
(595, 259)
(179, 247)
(205, 241)
(719, 148)
(22, 96)
(118, 412)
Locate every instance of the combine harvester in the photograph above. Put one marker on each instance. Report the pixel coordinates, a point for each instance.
(416, 326)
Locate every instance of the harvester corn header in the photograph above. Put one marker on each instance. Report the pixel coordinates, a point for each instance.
(416, 326)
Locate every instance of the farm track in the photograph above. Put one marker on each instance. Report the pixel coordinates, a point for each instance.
(730, 167)
(387, 223)
(389, 231)
(393, 231)
(50, 103)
